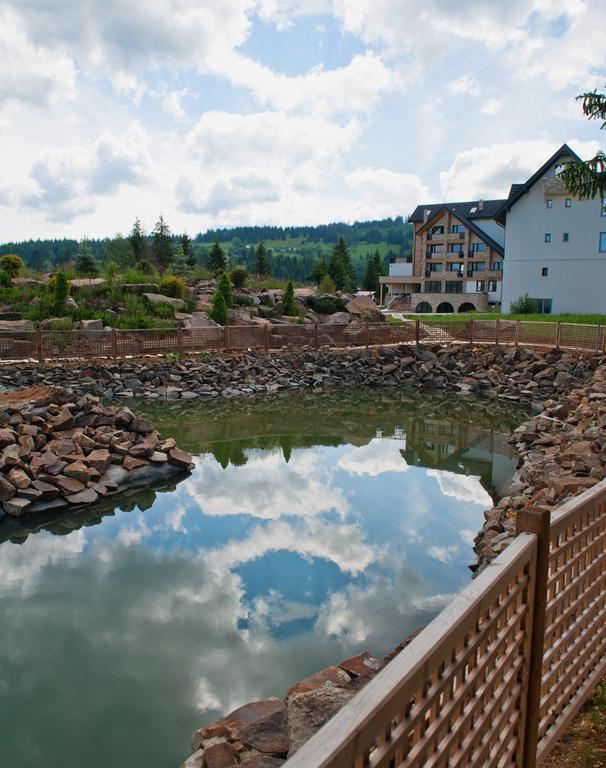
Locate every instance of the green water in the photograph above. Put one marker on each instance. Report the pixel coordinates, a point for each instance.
(313, 527)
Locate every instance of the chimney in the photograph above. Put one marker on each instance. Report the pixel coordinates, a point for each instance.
(426, 213)
(480, 205)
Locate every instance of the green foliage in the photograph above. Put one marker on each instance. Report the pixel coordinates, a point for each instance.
(145, 268)
(163, 251)
(173, 357)
(288, 302)
(163, 310)
(522, 306)
(120, 251)
(239, 276)
(216, 259)
(319, 271)
(85, 263)
(261, 262)
(172, 286)
(587, 179)
(110, 272)
(137, 240)
(327, 285)
(11, 264)
(243, 300)
(5, 280)
(340, 267)
(374, 269)
(179, 264)
(219, 311)
(225, 288)
(60, 293)
(328, 306)
(188, 251)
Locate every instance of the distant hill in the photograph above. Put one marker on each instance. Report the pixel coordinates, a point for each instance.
(292, 250)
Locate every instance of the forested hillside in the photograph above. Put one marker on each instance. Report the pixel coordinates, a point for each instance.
(292, 251)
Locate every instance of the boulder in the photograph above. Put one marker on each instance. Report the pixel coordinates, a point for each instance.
(158, 298)
(16, 506)
(51, 323)
(339, 318)
(334, 677)
(90, 325)
(71, 303)
(307, 713)
(87, 282)
(16, 326)
(243, 717)
(180, 458)
(364, 308)
(139, 287)
(198, 320)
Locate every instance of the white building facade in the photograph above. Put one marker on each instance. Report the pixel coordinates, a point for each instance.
(555, 244)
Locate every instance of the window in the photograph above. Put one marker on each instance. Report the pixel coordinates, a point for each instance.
(547, 237)
(542, 306)
(455, 248)
(454, 267)
(479, 286)
(435, 248)
(497, 266)
(544, 271)
(478, 247)
(452, 287)
(437, 230)
(568, 202)
(549, 203)
(435, 267)
(604, 206)
(433, 286)
(492, 286)
(602, 242)
(457, 229)
(478, 266)
(565, 237)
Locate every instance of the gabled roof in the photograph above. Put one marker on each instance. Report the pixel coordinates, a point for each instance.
(488, 211)
(517, 190)
(468, 223)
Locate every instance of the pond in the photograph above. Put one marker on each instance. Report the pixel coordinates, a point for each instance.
(313, 527)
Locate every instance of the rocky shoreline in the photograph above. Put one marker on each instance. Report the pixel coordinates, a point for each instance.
(60, 452)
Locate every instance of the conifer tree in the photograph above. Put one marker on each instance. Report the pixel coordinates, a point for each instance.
(216, 259)
(587, 179)
(340, 267)
(261, 263)
(85, 263)
(218, 309)
(188, 250)
(225, 288)
(179, 264)
(60, 293)
(163, 251)
(288, 302)
(137, 240)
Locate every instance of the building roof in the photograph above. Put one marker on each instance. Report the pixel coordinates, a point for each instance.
(488, 210)
(466, 221)
(517, 190)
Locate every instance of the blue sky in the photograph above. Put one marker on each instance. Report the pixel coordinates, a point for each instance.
(281, 111)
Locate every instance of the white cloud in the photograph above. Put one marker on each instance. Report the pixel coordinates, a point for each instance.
(384, 192)
(375, 458)
(464, 488)
(443, 554)
(466, 85)
(491, 106)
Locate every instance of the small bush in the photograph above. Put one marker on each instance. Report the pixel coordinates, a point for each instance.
(5, 280)
(327, 285)
(172, 286)
(60, 292)
(12, 264)
(225, 288)
(145, 267)
(328, 306)
(163, 310)
(219, 311)
(522, 306)
(288, 302)
(243, 300)
(239, 276)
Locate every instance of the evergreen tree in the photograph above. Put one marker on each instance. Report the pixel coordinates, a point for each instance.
(163, 251)
(261, 263)
(225, 288)
(340, 267)
(319, 270)
(288, 302)
(374, 269)
(179, 264)
(60, 293)
(216, 259)
(188, 250)
(120, 250)
(218, 309)
(85, 263)
(137, 240)
(587, 179)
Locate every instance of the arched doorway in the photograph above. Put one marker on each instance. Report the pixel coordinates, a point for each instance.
(424, 307)
(445, 306)
(467, 306)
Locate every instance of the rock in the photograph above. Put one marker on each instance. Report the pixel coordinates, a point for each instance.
(63, 421)
(158, 298)
(231, 724)
(130, 463)
(194, 761)
(88, 282)
(79, 471)
(87, 496)
(71, 303)
(158, 457)
(69, 485)
(339, 318)
(7, 489)
(362, 665)
(16, 326)
(263, 761)
(140, 287)
(223, 755)
(330, 677)
(199, 320)
(364, 308)
(16, 507)
(307, 713)
(180, 458)
(18, 478)
(91, 325)
(47, 491)
(99, 459)
(269, 736)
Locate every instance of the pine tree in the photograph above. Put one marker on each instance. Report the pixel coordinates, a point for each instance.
(85, 263)
(60, 293)
(288, 302)
(370, 280)
(179, 264)
(340, 267)
(163, 251)
(218, 309)
(188, 250)
(261, 263)
(216, 259)
(137, 240)
(225, 288)
(587, 179)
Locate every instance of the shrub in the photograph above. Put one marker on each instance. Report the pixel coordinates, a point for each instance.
(163, 310)
(172, 286)
(225, 288)
(5, 280)
(243, 300)
(327, 285)
(219, 311)
(522, 306)
(60, 292)
(145, 267)
(328, 306)
(239, 276)
(288, 302)
(12, 264)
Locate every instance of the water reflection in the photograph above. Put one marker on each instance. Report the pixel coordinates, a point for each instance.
(311, 527)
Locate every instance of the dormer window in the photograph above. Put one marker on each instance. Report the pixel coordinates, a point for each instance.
(473, 209)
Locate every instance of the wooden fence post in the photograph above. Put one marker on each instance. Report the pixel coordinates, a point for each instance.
(367, 334)
(316, 340)
(496, 333)
(114, 343)
(558, 334)
(417, 331)
(517, 336)
(226, 337)
(179, 341)
(39, 346)
(537, 521)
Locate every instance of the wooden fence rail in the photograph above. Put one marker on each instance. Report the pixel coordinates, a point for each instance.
(63, 344)
(496, 677)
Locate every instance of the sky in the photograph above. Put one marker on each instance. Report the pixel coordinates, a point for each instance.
(239, 112)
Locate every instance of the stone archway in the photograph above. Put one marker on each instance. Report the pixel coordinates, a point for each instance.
(445, 306)
(467, 306)
(424, 307)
